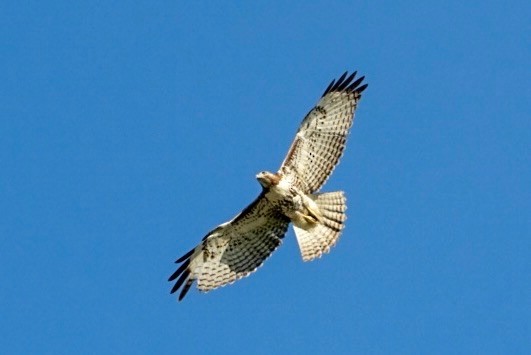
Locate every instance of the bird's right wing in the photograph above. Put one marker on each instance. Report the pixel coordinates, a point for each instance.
(232, 250)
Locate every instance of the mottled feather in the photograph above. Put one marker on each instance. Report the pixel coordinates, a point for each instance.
(232, 250)
(322, 135)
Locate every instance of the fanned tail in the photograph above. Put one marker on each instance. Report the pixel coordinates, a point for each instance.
(319, 238)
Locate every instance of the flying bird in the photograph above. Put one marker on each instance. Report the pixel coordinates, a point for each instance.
(238, 247)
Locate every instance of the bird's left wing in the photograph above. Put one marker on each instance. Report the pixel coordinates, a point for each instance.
(322, 135)
(232, 250)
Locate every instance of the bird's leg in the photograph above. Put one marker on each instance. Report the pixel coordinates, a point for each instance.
(312, 214)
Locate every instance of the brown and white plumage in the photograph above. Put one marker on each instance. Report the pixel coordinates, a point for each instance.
(233, 249)
(321, 138)
(237, 248)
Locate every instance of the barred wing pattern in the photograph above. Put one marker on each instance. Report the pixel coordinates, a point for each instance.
(321, 138)
(232, 250)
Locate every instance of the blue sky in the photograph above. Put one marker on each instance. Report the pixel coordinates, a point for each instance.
(130, 130)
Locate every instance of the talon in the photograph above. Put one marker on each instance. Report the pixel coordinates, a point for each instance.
(315, 215)
(310, 219)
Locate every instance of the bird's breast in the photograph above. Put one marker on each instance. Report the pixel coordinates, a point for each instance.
(279, 193)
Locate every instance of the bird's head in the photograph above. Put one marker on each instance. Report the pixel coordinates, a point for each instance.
(267, 179)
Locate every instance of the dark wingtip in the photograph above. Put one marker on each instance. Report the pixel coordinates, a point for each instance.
(355, 84)
(341, 78)
(327, 90)
(179, 271)
(185, 256)
(185, 289)
(361, 88)
(345, 83)
(180, 281)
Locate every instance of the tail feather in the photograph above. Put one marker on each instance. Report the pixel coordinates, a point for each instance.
(319, 238)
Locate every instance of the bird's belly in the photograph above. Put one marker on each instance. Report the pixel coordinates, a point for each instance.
(282, 197)
(298, 207)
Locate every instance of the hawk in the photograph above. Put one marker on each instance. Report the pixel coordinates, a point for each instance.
(238, 247)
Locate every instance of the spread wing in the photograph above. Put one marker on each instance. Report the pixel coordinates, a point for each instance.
(321, 138)
(232, 250)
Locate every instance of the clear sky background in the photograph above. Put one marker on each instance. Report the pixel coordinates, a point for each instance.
(128, 131)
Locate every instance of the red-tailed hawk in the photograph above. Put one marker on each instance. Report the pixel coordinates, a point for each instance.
(238, 247)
